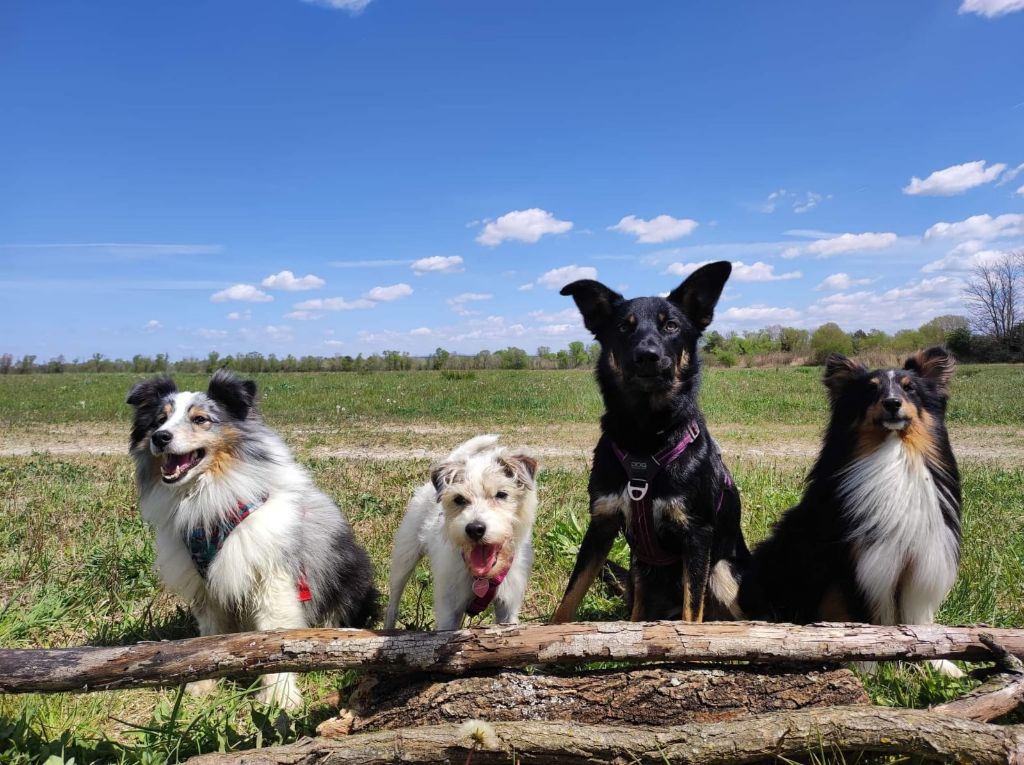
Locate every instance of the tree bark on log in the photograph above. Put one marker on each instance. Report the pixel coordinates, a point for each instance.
(747, 740)
(654, 696)
(998, 696)
(172, 662)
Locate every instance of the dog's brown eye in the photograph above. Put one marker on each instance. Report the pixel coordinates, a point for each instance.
(906, 384)
(199, 419)
(161, 419)
(671, 326)
(501, 495)
(459, 500)
(625, 328)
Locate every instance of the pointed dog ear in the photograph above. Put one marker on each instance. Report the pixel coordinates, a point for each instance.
(595, 301)
(935, 364)
(150, 392)
(698, 295)
(839, 371)
(521, 466)
(236, 395)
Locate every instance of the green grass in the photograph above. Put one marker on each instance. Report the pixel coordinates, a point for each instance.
(76, 560)
(982, 395)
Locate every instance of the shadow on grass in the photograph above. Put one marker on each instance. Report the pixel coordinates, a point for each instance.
(149, 627)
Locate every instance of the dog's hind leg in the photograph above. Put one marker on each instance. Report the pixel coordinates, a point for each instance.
(597, 544)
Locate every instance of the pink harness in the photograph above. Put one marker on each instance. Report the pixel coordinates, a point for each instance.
(640, 472)
(484, 590)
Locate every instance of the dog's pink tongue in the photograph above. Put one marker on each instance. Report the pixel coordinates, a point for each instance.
(174, 461)
(481, 559)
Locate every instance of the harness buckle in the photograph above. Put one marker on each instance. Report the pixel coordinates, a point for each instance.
(693, 429)
(636, 488)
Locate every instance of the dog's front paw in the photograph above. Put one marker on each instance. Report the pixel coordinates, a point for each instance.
(201, 688)
(948, 668)
(281, 690)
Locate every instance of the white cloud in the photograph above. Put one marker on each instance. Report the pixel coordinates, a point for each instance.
(760, 314)
(1021, 191)
(558, 329)
(955, 180)
(841, 281)
(421, 332)
(907, 306)
(565, 315)
(522, 226)
(279, 333)
(842, 244)
(389, 293)
(240, 315)
(525, 287)
(334, 304)
(211, 334)
(1010, 174)
(286, 280)
(352, 6)
(991, 8)
(663, 228)
(557, 278)
(245, 292)
(458, 303)
(741, 272)
(800, 203)
(438, 264)
(152, 326)
(962, 260)
(982, 227)
(334, 343)
(303, 315)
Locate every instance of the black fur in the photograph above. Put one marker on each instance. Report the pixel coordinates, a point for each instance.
(808, 555)
(649, 376)
(147, 397)
(236, 395)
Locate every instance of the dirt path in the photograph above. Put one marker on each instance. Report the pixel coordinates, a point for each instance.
(561, 444)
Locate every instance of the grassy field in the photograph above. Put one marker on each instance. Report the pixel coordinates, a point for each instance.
(75, 559)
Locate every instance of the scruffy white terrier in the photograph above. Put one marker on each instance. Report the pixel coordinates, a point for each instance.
(474, 520)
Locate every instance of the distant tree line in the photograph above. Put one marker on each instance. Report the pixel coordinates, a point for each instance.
(772, 346)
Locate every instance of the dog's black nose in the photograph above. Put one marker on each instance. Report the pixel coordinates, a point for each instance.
(646, 358)
(161, 438)
(475, 530)
(892, 404)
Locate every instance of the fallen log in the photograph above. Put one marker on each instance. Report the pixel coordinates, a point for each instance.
(664, 695)
(172, 662)
(999, 695)
(753, 739)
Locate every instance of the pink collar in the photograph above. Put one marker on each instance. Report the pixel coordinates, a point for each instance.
(484, 590)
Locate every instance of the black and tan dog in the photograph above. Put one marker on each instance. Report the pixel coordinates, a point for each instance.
(657, 474)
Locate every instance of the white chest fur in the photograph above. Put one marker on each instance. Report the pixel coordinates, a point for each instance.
(906, 556)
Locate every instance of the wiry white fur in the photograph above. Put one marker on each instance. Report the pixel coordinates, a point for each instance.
(907, 556)
(427, 530)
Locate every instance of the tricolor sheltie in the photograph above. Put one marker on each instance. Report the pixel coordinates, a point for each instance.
(876, 537)
(242, 533)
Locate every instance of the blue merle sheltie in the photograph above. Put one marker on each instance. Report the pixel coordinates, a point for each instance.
(657, 475)
(876, 536)
(242, 533)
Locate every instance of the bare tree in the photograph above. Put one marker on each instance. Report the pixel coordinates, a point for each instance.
(995, 295)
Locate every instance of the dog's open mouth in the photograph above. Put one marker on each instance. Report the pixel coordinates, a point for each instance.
(895, 423)
(481, 559)
(176, 466)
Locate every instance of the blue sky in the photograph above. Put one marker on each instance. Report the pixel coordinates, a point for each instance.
(439, 169)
